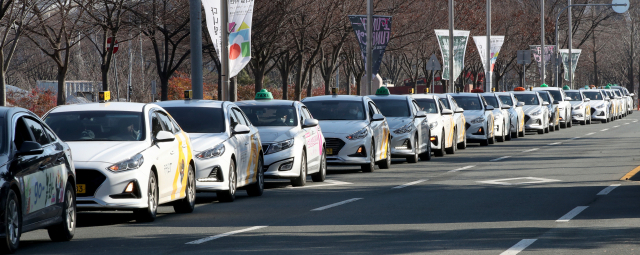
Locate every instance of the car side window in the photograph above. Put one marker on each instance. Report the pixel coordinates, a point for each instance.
(21, 134)
(166, 122)
(37, 130)
(239, 118)
(155, 124)
(415, 106)
(371, 111)
(50, 133)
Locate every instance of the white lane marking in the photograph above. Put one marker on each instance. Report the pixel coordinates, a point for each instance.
(408, 184)
(331, 183)
(626, 123)
(606, 190)
(460, 169)
(534, 149)
(635, 121)
(500, 158)
(336, 204)
(574, 138)
(615, 126)
(604, 129)
(590, 133)
(520, 246)
(554, 143)
(207, 239)
(573, 213)
(519, 180)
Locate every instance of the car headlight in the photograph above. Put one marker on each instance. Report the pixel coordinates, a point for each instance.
(280, 146)
(130, 164)
(404, 129)
(216, 151)
(600, 106)
(433, 125)
(536, 113)
(578, 107)
(362, 133)
(478, 120)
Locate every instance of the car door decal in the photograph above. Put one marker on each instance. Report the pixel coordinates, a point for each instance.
(44, 188)
(462, 126)
(451, 127)
(182, 167)
(385, 141)
(187, 160)
(253, 160)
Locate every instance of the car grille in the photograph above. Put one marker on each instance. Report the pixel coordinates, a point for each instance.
(467, 126)
(92, 179)
(526, 119)
(334, 144)
(593, 110)
(265, 147)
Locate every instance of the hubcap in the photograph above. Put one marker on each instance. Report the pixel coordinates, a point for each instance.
(152, 194)
(13, 222)
(71, 212)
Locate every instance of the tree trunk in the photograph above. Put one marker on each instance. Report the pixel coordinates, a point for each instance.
(298, 84)
(105, 77)
(164, 87)
(62, 92)
(259, 80)
(327, 83)
(3, 81)
(310, 86)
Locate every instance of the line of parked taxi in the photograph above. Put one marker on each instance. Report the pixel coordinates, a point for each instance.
(136, 156)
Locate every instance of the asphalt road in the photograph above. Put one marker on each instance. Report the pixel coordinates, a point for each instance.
(541, 194)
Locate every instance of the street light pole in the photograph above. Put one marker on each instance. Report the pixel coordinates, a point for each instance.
(570, 46)
(196, 47)
(542, 57)
(369, 46)
(488, 48)
(451, 51)
(224, 48)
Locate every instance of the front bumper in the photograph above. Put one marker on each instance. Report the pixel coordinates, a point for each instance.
(283, 164)
(578, 115)
(534, 122)
(476, 132)
(599, 114)
(342, 151)
(104, 186)
(217, 168)
(402, 145)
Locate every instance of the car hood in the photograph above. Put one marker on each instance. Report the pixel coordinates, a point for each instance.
(106, 151)
(204, 141)
(470, 115)
(594, 103)
(398, 122)
(345, 127)
(276, 134)
(528, 109)
(577, 103)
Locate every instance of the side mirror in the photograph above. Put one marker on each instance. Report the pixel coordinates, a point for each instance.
(377, 117)
(489, 108)
(30, 148)
(520, 104)
(421, 114)
(632, 94)
(164, 136)
(607, 99)
(587, 99)
(568, 99)
(506, 107)
(310, 123)
(545, 103)
(241, 129)
(556, 102)
(447, 112)
(459, 110)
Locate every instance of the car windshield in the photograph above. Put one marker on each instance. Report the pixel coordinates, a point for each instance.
(427, 105)
(545, 97)
(575, 96)
(492, 100)
(557, 95)
(336, 110)
(528, 99)
(593, 95)
(271, 115)
(97, 125)
(469, 103)
(506, 100)
(393, 107)
(198, 119)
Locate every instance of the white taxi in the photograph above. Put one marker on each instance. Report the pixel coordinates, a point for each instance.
(536, 112)
(458, 117)
(502, 116)
(355, 131)
(581, 111)
(479, 117)
(599, 104)
(128, 156)
(226, 146)
(515, 112)
(441, 124)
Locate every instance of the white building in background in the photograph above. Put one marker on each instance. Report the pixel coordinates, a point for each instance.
(76, 91)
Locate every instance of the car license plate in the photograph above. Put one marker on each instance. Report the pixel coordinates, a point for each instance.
(81, 188)
(329, 151)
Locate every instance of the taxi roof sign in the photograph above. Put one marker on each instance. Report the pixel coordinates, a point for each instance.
(382, 91)
(264, 95)
(566, 87)
(544, 85)
(519, 89)
(188, 94)
(104, 96)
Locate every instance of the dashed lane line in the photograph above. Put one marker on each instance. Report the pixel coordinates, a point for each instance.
(551, 144)
(626, 123)
(408, 184)
(607, 190)
(336, 204)
(590, 133)
(520, 246)
(460, 169)
(615, 126)
(573, 213)
(604, 129)
(534, 149)
(207, 239)
(330, 183)
(500, 158)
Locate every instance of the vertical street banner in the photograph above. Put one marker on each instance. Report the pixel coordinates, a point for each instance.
(239, 27)
(575, 55)
(496, 45)
(381, 36)
(460, 39)
(539, 54)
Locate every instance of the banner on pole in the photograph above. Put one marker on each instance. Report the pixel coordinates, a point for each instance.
(536, 50)
(381, 36)
(239, 27)
(575, 55)
(460, 39)
(496, 45)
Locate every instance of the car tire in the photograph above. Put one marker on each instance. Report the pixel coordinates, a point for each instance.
(426, 156)
(563, 125)
(463, 145)
(188, 203)
(321, 175)
(370, 167)
(492, 140)
(552, 128)
(502, 137)
(64, 231)
(541, 131)
(230, 194)
(440, 152)
(301, 180)
(256, 189)
(454, 146)
(557, 127)
(570, 123)
(414, 158)
(584, 122)
(386, 163)
(13, 223)
(484, 142)
(149, 214)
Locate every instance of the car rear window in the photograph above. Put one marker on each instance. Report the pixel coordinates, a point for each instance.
(198, 119)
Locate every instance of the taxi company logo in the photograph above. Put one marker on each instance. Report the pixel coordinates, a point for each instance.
(38, 190)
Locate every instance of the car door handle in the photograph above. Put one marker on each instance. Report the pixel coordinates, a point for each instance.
(184, 146)
(172, 152)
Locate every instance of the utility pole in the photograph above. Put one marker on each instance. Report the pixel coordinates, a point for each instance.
(569, 14)
(542, 48)
(369, 46)
(224, 48)
(488, 49)
(196, 47)
(451, 51)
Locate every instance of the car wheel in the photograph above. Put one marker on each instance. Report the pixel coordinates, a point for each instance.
(256, 189)
(188, 203)
(386, 163)
(440, 152)
(541, 131)
(322, 173)
(454, 146)
(584, 122)
(502, 137)
(570, 123)
(65, 230)
(426, 156)
(301, 180)
(368, 168)
(414, 157)
(13, 223)
(557, 127)
(492, 140)
(552, 128)
(463, 144)
(230, 194)
(149, 214)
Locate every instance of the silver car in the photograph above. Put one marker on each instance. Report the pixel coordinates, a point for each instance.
(628, 97)
(458, 117)
(554, 111)
(479, 117)
(516, 113)
(536, 112)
